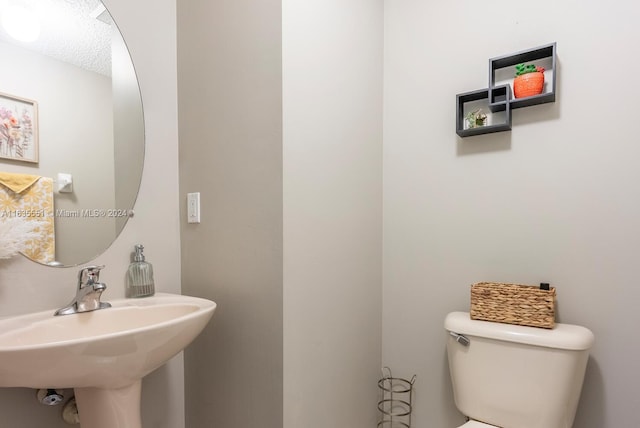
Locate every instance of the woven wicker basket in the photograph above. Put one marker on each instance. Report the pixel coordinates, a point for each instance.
(513, 304)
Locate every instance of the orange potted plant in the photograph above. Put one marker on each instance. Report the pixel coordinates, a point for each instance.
(529, 80)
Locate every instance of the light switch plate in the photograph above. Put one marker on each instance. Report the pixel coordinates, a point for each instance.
(193, 207)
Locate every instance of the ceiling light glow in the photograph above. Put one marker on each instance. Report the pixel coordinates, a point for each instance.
(20, 23)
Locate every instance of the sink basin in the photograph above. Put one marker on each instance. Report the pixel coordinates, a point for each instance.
(102, 354)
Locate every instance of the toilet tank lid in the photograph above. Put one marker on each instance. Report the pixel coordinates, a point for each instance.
(562, 336)
(476, 424)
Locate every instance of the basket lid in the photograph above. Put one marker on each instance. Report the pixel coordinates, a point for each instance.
(562, 336)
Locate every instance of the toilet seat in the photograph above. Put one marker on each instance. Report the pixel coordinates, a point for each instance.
(476, 424)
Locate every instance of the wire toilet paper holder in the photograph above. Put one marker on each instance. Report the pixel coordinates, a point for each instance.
(396, 403)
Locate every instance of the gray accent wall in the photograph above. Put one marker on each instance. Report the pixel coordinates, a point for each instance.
(230, 121)
(281, 132)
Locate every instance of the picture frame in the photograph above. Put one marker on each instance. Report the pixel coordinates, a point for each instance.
(18, 129)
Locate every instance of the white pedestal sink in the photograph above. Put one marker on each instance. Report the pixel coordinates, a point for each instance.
(102, 354)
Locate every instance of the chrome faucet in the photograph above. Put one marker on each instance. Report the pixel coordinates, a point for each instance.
(88, 294)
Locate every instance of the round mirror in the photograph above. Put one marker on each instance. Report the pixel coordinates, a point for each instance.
(71, 126)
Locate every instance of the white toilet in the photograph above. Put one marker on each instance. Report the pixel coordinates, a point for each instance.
(512, 376)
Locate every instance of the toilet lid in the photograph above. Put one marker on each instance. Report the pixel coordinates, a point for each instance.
(476, 424)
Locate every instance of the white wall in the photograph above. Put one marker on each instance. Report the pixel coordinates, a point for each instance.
(332, 109)
(553, 200)
(26, 286)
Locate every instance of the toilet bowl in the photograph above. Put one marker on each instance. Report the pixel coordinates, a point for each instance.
(515, 376)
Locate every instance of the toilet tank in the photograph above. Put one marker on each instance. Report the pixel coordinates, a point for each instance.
(515, 376)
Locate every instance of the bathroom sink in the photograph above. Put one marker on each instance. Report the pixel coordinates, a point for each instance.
(106, 351)
(107, 348)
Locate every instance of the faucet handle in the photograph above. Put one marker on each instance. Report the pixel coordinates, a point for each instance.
(89, 275)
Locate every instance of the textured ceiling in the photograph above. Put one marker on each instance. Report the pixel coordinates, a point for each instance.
(69, 33)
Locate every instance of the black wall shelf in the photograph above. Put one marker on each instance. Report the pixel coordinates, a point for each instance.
(501, 68)
(470, 101)
(499, 95)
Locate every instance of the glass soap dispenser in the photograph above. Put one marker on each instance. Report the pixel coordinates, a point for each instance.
(140, 276)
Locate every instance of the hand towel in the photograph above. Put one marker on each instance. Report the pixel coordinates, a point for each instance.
(18, 183)
(34, 203)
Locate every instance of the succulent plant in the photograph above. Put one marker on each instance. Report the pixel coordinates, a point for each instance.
(528, 68)
(476, 118)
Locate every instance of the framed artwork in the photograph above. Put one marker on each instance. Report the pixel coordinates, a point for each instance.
(18, 129)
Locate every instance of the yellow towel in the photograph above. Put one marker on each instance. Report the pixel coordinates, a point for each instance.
(35, 203)
(18, 183)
